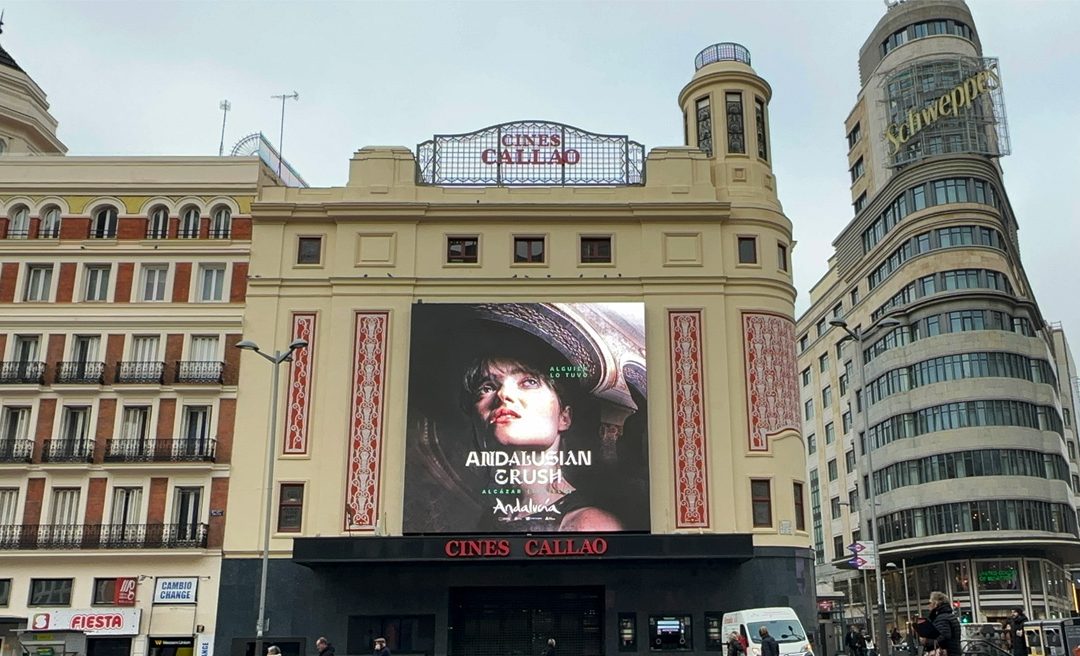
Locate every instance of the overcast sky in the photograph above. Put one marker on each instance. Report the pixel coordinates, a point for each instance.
(146, 78)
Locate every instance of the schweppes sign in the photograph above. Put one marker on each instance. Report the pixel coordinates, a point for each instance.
(948, 104)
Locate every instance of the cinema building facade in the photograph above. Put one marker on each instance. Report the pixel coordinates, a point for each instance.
(548, 391)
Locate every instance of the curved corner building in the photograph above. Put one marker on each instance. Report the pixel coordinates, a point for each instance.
(971, 463)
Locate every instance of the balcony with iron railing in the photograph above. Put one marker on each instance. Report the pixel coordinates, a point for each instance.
(140, 372)
(156, 231)
(49, 231)
(161, 450)
(188, 232)
(18, 233)
(20, 450)
(220, 232)
(17, 372)
(68, 450)
(103, 536)
(80, 371)
(197, 371)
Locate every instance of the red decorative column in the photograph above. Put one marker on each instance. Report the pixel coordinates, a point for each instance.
(366, 421)
(772, 393)
(296, 427)
(688, 412)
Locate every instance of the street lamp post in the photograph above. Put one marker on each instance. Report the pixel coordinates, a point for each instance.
(858, 335)
(268, 493)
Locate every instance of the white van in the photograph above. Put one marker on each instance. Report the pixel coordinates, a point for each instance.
(782, 623)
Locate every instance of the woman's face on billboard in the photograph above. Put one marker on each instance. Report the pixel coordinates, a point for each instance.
(519, 407)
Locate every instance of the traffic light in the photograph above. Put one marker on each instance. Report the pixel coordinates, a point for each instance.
(965, 617)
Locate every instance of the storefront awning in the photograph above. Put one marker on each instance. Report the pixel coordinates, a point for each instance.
(517, 548)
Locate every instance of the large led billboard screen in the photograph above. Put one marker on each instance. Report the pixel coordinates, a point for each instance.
(527, 418)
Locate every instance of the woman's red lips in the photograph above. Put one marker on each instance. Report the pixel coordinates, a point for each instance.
(503, 414)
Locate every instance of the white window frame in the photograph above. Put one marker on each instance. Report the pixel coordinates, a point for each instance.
(127, 506)
(157, 224)
(96, 279)
(190, 219)
(145, 348)
(37, 287)
(204, 348)
(105, 223)
(160, 273)
(9, 506)
(49, 217)
(212, 285)
(221, 223)
(20, 222)
(14, 423)
(65, 506)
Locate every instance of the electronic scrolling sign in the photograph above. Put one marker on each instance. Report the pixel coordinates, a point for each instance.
(533, 153)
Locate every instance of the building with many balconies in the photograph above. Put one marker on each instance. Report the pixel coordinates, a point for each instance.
(122, 283)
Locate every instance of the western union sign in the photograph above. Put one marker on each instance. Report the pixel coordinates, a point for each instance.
(948, 104)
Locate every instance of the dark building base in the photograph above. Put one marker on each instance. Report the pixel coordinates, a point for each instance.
(596, 607)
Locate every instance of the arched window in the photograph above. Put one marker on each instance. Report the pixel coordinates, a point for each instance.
(104, 225)
(189, 223)
(157, 227)
(50, 223)
(221, 225)
(19, 223)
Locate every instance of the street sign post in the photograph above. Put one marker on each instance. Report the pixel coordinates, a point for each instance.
(864, 555)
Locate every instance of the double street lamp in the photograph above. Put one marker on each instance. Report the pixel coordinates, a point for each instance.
(268, 493)
(858, 335)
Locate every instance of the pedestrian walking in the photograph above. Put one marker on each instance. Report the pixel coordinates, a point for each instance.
(769, 646)
(734, 645)
(550, 650)
(1016, 632)
(324, 647)
(947, 642)
(855, 642)
(380, 647)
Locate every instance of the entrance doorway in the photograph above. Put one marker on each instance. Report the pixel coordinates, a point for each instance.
(108, 647)
(519, 621)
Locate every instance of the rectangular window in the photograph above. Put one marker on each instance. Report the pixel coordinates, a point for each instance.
(838, 547)
(5, 592)
(854, 297)
(309, 250)
(857, 170)
(823, 363)
(76, 426)
(853, 499)
(834, 507)
(811, 444)
(126, 510)
(15, 428)
(105, 593)
(761, 500)
(747, 250)
(759, 122)
(187, 512)
(849, 460)
(846, 421)
(65, 506)
(211, 282)
(153, 282)
(807, 376)
(290, 507)
(463, 250)
(826, 397)
(853, 136)
(860, 202)
(50, 592)
(704, 125)
(528, 249)
(781, 257)
(830, 433)
(97, 283)
(808, 409)
(832, 470)
(804, 341)
(204, 348)
(38, 282)
(596, 250)
(800, 508)
(736, 133)
(9, 506)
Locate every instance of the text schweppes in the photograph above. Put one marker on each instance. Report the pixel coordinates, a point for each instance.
(948, 104)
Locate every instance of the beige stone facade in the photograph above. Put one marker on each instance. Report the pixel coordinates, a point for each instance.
(345, 268)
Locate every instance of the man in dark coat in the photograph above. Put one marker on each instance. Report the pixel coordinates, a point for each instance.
(946, 624)
(734, 645)
(855, 642)
(324, 647)
(1016, 632)
(769, 646)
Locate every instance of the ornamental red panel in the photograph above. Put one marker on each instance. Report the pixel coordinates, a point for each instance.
(688, 412)
(366, 421)
(772, 390)
(296, 427)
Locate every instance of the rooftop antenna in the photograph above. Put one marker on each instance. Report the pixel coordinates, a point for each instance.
(224, 106)
(1, 21)
(281, 136)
